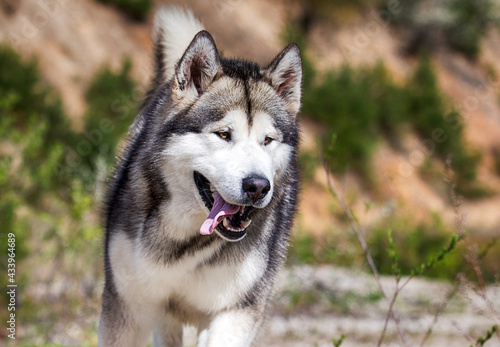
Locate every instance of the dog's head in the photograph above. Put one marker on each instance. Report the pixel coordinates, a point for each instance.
(230, 131)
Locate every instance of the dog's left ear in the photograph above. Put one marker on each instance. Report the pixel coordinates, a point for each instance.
(197, 68)
(285, 76)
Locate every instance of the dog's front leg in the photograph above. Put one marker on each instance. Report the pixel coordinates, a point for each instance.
(125, 325)
(236, 328)
(167, 332)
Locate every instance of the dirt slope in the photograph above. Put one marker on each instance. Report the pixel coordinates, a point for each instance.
(468, 85)
(73, 39)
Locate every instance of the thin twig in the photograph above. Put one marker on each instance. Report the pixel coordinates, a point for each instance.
(439, 312)
(460, 226)
(389, 311)
(364, 246)
(474, 259)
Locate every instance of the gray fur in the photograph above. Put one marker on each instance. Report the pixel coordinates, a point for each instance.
(153, 243)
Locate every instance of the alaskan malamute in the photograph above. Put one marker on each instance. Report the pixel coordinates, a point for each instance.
(201, 205)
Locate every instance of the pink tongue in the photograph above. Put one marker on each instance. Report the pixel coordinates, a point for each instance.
(220, 209)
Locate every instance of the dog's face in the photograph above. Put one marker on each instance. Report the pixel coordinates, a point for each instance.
(234, 132)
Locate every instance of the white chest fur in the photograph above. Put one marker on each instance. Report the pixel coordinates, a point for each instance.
(209, 288)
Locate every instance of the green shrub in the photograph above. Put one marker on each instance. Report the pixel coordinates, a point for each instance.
(415, 245)
(329, 248)
(341, 100)
(465, 38)
(43, 198)
(111, 108)
(428, 113)
(496, 156)
(461, 24)
(135, 9)
(419, 244)
(407, 14)
(472, 19)
(308, 163)
(391, 100)
(358, 106)
(11, 223)
(21, 82)
(344, 104)
(33, 117)
(30, 153)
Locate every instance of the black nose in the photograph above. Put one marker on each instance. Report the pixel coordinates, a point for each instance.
(256, 187)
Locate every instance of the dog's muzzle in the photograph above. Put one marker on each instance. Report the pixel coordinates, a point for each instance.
(228, 220)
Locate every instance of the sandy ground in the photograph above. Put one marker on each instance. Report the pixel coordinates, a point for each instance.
(343, 301)
(314, 304)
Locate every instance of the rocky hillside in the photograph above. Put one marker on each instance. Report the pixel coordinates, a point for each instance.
(73, 40)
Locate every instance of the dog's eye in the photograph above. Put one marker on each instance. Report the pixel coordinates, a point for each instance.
(268, 140)
(225, 135)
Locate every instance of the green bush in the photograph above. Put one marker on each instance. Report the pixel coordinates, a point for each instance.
(472, 19)
(428, 113)
(29, 96)
(46, 199)
(30, 105)
(12, 222)
(496, 157)
(34, 133)
(348, 103)
(417, 245)
(308, 163)
(135, 9)
(391, 100)
(358, 106)
(343, 103)
(461, 25)
(111, 108)
(328, 248)
(405, 13)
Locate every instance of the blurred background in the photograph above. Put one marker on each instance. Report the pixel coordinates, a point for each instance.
(401, 101)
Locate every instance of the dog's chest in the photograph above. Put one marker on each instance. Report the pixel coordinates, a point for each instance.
(206, 287)
(217, 286)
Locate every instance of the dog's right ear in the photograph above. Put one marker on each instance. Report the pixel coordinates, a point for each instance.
(285, 76)
(197, 69)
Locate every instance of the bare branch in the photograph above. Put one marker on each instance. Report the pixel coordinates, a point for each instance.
(360, 235)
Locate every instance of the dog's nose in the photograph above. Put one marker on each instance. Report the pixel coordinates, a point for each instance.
(256, 187)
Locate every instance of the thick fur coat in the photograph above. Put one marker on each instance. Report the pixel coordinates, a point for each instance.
(202, 201)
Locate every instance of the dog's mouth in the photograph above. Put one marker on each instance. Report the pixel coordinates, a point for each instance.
(228, 220)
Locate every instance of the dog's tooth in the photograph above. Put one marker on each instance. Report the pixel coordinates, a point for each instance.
(246, 224)
(227, 225)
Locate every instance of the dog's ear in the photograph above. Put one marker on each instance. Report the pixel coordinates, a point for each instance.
(285, 76)
(197, 68)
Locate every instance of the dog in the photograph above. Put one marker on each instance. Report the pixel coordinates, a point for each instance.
(200, 207)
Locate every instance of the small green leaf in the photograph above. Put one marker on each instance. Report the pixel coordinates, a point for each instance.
(338, 342)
